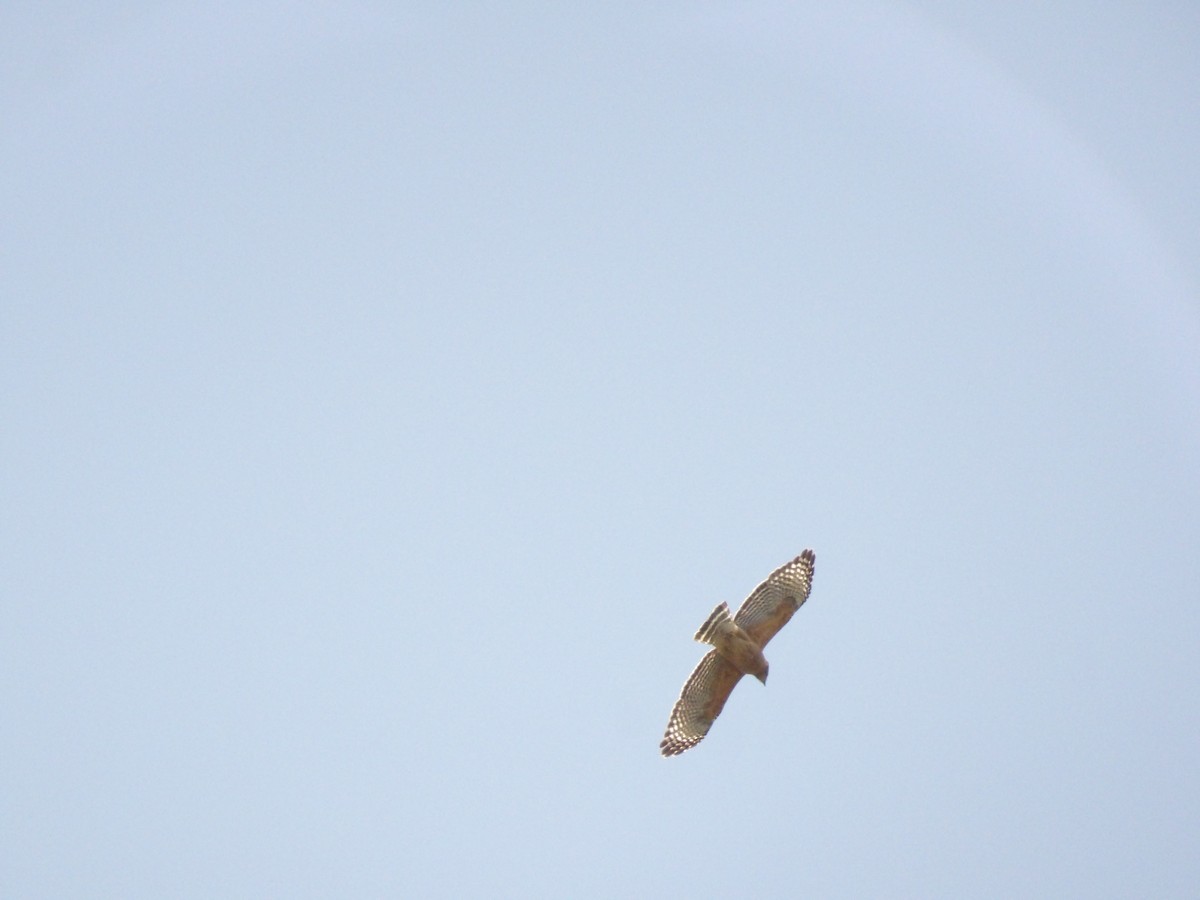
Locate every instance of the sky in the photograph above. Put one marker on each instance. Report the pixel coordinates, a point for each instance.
(391, 390)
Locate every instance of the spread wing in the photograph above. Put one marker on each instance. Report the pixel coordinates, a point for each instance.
(701, 701)
(777, 599)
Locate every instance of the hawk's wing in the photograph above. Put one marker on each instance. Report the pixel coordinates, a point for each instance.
(776, 599)
(701, 701)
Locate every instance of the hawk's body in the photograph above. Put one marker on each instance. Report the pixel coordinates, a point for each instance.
(738, 642)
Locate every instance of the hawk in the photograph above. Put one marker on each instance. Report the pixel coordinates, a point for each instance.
(738, 643)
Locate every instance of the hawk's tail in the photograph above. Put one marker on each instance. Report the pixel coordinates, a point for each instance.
(708, 631)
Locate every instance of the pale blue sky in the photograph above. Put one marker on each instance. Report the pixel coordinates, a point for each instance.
(391, 390)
